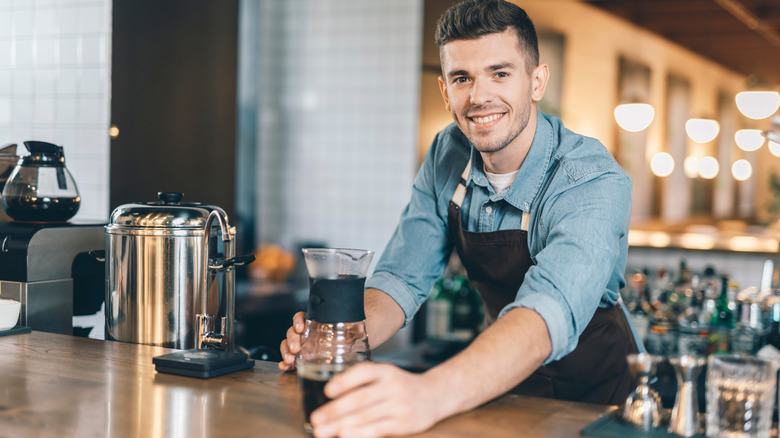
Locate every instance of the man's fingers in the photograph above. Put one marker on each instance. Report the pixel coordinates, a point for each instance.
(352, 410)
(299, 322)
(293, 340)
(358, 400)
(288, 358)
(354, 377)
(292, 345)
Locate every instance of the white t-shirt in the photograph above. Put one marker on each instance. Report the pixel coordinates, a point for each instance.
(501, 181)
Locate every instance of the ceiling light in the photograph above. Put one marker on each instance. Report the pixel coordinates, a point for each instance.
(662, 164)
(758, 104)
(702, 130)
(634, 117)
(774, 148)
(708, 167)
(749, 139)
(741, 170)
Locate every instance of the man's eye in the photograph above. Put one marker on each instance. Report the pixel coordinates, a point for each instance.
(459, 80)
(502, 74)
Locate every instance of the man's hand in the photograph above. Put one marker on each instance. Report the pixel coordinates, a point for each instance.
(292, 345)
(373, 400)
(383, 318)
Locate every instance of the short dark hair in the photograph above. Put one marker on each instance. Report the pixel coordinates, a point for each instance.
(472, 19)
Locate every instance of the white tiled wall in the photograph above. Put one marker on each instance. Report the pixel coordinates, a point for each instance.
(55, 86)
(337, 123)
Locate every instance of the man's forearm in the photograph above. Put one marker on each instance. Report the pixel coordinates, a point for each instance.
(500, 358)
(383, 316)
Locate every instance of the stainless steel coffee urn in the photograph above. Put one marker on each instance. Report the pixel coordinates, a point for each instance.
(162, 270)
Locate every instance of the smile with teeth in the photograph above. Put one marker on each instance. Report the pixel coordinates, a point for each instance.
(486, 119)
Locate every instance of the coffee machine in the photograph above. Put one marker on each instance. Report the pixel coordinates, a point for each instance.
(53, 270)
(47, 262)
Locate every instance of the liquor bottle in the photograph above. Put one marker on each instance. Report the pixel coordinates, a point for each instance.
(722, 320)
(467, 310)
(746, 335)
(637, 304)
(661, 289)
(662, 335)
(693, 334)
(439, 311)
(708, 306)
(772, 339)
(708, 286)
(682, 292)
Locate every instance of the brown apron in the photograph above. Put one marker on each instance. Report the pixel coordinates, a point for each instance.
(496, 262)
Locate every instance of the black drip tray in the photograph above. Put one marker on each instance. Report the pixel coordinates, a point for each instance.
(203, 364)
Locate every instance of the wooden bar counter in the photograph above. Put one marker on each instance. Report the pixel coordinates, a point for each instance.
(64, 386)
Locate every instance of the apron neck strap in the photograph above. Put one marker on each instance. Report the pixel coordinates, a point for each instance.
(460, 194)
(460, 191)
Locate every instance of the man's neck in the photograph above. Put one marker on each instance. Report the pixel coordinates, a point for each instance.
(511, 158)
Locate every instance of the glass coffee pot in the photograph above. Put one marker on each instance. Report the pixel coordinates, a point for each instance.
(40, 187)
(8, 161)
(335, 334)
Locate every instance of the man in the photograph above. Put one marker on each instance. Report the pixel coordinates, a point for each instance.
(539, 217)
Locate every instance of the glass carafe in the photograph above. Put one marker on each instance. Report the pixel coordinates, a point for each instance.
(335, 334)
(40, 188)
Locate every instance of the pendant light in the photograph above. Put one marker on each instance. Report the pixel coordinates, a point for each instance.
(749, 139)
(708, 167)
(774, 148)
(634, 117)
(741, 170)
(662, 164)
(758, 104)
(702, 130)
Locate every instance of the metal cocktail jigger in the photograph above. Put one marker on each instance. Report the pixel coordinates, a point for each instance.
(685, 415)
(643, 406)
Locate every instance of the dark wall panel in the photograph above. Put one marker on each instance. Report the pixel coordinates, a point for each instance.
(174, 66)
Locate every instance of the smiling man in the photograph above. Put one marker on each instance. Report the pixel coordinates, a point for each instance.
(539, 217)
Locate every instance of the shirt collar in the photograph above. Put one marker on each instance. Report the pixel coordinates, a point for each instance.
(531, 175)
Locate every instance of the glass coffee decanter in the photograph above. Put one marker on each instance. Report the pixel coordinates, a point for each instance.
(335, 334)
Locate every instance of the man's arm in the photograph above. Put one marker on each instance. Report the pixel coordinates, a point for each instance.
(381, 399)
(499, 359)
(384, 316)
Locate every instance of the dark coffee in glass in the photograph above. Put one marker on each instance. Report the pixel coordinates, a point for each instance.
(312, 379)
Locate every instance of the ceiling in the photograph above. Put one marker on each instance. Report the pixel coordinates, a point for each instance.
(742, 35)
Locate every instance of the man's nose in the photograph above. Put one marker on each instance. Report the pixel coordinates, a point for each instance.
(480, 92)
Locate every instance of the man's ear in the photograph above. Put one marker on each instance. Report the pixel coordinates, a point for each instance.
(444, 95)
(539, 78)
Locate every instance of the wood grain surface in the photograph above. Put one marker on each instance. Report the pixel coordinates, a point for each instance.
(63, 386)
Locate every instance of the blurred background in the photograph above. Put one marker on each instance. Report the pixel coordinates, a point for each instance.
(306, 120)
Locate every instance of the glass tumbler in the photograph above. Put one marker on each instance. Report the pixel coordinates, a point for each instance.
(740, 396)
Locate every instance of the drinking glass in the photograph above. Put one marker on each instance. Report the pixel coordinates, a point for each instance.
(740, 396)
(643, 405)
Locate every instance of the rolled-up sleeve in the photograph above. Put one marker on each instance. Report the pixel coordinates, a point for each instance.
(583, 231)
(419, 248)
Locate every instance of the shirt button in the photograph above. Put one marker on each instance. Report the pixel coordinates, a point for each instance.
(489, 209)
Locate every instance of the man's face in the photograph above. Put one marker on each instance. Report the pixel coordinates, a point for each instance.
(488, 90)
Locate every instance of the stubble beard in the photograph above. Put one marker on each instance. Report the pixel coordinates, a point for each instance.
(487, 146)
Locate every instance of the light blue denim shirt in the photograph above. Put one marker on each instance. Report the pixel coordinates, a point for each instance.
(579, 200)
